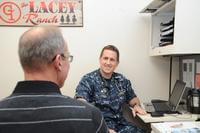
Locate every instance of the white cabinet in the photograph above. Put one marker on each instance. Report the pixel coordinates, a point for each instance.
(186, 32)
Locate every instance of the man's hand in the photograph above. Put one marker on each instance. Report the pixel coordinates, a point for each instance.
(139, 110)
(82, 99)
(111, 131)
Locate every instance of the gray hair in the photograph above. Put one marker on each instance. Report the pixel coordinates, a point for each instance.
(39, 45)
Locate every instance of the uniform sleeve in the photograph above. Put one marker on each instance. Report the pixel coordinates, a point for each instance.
(84, 90)
(130, 94)
(98, 121)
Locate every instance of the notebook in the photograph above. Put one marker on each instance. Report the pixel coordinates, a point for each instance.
(174, 100)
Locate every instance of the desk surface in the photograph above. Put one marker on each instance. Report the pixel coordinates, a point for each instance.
(168, 117)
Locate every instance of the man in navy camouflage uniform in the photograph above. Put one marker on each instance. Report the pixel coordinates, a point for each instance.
(108, 91)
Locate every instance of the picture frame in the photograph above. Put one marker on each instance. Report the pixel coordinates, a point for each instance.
(64, 13)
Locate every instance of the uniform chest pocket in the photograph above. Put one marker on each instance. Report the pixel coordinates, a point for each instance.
(102, 97)
(122, 95)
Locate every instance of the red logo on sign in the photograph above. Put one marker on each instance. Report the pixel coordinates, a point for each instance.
(10, 12)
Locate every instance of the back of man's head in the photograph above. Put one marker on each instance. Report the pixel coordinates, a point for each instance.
(38, 46)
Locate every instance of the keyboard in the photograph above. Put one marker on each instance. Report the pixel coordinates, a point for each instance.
(161, 107)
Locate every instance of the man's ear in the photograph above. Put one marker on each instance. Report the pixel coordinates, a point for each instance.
(57, 62)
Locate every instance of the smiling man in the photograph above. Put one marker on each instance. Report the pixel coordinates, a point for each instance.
(108, 91)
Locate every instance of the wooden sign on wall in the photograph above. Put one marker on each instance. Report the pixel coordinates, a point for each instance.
(43, 12)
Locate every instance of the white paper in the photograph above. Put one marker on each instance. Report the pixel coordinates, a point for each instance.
(177, 127)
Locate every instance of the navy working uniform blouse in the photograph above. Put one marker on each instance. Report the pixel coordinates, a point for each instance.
(108, 95)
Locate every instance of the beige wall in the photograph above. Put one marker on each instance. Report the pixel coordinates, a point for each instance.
(105, 21)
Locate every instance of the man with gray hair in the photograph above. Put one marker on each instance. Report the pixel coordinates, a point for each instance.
(36, 104)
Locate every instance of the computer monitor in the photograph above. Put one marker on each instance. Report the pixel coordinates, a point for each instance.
(177, 94)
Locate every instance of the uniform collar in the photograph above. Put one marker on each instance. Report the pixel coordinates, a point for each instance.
(113, 77)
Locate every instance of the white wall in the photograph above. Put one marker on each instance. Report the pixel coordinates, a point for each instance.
(105, 21)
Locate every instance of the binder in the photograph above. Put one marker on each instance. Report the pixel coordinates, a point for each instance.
(197, 76)
(188, 72)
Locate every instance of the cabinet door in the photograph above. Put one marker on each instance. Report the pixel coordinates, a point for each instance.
(187, 27)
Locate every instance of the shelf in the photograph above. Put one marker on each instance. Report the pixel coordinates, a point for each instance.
(168, 7)
(165, 50)
(153, 6)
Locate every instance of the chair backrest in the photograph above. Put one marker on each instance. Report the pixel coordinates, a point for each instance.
(128, 115)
